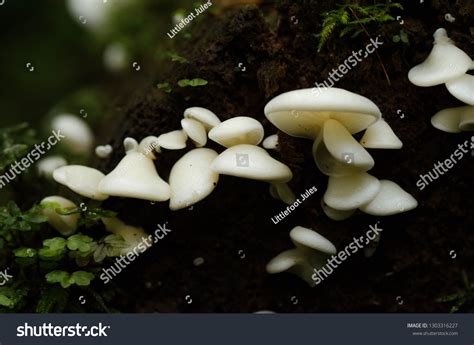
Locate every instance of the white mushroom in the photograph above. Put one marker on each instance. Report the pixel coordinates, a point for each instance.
(311, 252)
(47, 165)
(82, 180)
(135, 177)
(445, 62)
(66, 225)
(191, 178)
(391, 199)
(454, 120)
(301, 113)
(380, 136)
(283, 192)
(271, 142)
(252, 162)
(292, 261)
(115, 57)
(103, 151)
(337, 153)
(202, 115)
(148, 146)
(195, 131)
(237, 130)
(78, 137)
(350, 192)
(334, 214)
(462, 88)
(134, 237)
(174, 140)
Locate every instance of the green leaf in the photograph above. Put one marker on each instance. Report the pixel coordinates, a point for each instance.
(164, 87)
(60, 277)
(79, 242)
(6, 302)
(56, 243)
(24, 252)
(396, 38)
(82, 278)
(193, 82)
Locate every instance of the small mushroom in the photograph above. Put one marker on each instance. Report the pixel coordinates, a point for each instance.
(391, 199)
(271, 142)
(334, 214)
(283, 192)
(445, 62)
(191, 178)
(350, 192)
(148, 146)
(312, 251)
(252, 162)
(301, 113)
(66, 225)
(202, 115)
(78, 137)
(462, 88)
(103, 151)
(47, 165)
(337, 153)
(236, 131)
(174, 140)
(135, 177)
(380, 136)
(195, 131)
(82, 180)
(454, 120)
(133, 236)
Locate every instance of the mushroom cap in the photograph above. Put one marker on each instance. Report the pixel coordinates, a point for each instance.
(334, 214)
(462, 88)
(252, 162)
(305, 238)
(65, 224)
(47, 165)
(284, 193)
(301, 113)
(82, 180)
(284, 261)
(195, 130)
(78, 136)
(148, 146)
(174, 140)
(466, 120)
(350, 192)
(271, 142)
(337, 153)
(293, 261)
(203, 115)
(444, 63)
(448, 119)
(380, 136)
(237, 130)
(391, 199)
(191, 178)
(103, 151)
(135, 177)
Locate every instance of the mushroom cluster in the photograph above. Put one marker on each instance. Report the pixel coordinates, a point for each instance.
(330, 118)
(447, 64)
(195, 175)
(311, 252)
